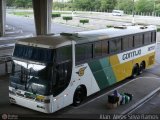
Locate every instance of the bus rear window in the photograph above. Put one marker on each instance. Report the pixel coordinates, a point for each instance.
(33, 53)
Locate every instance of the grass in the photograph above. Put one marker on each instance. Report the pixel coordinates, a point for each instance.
(62, 12)
(25, 14)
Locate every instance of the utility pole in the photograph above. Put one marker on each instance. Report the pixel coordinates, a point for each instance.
(133, 19)
(154, 8)
(2, 17)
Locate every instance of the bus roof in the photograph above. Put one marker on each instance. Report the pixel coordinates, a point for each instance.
(50, 42)
(96, 35)
(56, 41)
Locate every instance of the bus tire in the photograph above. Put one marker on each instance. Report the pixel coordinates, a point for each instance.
(79, 95)
(142, 67)
(135, 71)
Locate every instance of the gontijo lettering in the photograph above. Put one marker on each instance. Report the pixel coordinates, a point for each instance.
(131, 54)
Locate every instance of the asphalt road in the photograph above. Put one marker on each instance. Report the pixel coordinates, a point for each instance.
(150, 107)
(27, 25)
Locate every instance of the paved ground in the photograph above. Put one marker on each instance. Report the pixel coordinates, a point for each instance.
(27, 25)
(99, 20)
(150, 107)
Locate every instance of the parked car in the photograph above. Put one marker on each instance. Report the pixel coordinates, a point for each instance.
(117, 12)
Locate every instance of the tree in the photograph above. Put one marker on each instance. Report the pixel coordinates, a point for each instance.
(125, 5)
(84, 4)
(96, 5)
(10, 3)
(144, 6)
(157, 9)
(19, 3)
(108, 4)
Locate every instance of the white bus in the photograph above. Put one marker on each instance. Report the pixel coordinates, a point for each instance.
(51, 72)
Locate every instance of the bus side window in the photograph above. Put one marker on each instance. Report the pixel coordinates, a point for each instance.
(138, 40)
(147, 38)
(64, 54)
(62, 70)
(105, 47)
(98, 49)
(125, 43)
(153, 36)
(62, 77)
(84, 52)
(131, 42)
(115, 45)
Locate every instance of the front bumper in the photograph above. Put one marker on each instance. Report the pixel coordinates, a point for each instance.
(30, 103)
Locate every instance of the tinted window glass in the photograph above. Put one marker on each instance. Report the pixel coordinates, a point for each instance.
(98, 49)
(147, 38)
(33, 53)
(153, 36)
(115, 45)
(125, 43)
(130, 41)
(64, 54)
(138, 40)
(83, 52)
(62, 77)
(105, 47)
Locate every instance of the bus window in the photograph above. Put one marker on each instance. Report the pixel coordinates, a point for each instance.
(33, 53)
(64, 54)
(98, 49)
(62, 69)
(131, 41)
(115, 45)
(138, 40)
(83, 52)
(105, 49)
(153, 36)
(125, 43)
(62, 77)
(147, 38)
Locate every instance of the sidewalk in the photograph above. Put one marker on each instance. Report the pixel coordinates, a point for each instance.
(141, 88)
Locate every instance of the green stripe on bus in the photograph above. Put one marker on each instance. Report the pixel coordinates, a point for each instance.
(102, 72)
(108, 71)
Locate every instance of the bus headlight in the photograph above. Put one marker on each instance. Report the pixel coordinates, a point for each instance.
(42, 99)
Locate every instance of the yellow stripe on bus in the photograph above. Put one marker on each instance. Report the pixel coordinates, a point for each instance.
(124, 70)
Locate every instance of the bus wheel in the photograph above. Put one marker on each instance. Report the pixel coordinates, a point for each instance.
(142, 67)
(79, 96)
(135, 71)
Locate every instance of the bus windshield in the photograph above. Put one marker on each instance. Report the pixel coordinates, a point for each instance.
(35, 78)
(32, 53)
